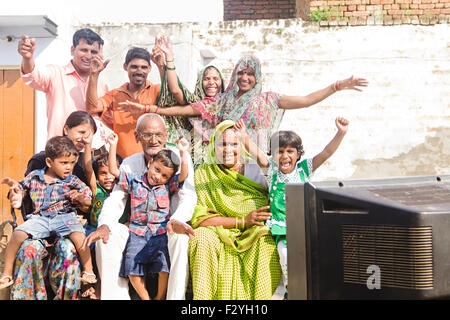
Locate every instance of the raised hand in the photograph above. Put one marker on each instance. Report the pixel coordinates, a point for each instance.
(241, 129)
(15, 193)
(183, 145)
(352, 83)
(342, 124)
(157, 57)
(113, 139)
(165, 45)
(98, 64)
(26, 47)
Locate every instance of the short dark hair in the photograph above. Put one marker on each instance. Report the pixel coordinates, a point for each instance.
(79, 117)
(102, 160)
(137, 53)
(88, 35)
(168, 158)
(283, 139)
(60, 146)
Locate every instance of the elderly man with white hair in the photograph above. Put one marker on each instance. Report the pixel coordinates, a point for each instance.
(152, 134)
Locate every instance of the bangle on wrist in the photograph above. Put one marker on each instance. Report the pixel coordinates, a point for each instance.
(336, 86)
(168, 68)
(170, 60)
(236, 223)
(243, 223)
(147, 108)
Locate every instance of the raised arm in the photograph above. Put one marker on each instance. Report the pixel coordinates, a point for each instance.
(261, 158)
(113, 139)
(87, 161)
(183, 146)
(172, 79)
(26, 49)
(157, 57)
(331, 147)
(297, 102)
(93, 105)
(137, 108)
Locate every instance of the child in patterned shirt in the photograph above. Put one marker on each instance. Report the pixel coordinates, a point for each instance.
(146, 249)
(54, 193)
(286, 167)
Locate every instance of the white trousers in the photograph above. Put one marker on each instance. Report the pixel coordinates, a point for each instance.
(282, 252)
(109, 258)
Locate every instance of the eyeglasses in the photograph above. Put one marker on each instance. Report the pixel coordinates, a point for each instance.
(149, 136)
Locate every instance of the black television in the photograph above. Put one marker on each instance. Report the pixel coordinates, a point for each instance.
(369, 239)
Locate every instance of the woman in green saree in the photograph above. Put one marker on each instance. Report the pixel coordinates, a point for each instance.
(232, 255)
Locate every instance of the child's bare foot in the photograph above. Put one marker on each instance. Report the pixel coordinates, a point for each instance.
(6, 280)
(88, 277)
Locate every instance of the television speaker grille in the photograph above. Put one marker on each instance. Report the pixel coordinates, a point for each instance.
(404, 255)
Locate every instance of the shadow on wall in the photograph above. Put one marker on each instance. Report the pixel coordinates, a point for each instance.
(429, 158)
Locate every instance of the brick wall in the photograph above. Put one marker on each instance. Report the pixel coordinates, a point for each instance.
(342, 12)
(380, 12)
(259, 9)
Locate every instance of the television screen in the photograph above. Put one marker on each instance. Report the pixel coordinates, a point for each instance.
(369, 239)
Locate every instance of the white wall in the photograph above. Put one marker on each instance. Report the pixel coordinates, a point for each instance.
(400, 124)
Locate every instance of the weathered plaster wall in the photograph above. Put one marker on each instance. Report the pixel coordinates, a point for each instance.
(400, 124)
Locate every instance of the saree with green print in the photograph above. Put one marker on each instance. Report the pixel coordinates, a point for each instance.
(231, 263)
(182, 126)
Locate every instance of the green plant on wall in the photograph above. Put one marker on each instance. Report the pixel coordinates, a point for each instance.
(321, 14)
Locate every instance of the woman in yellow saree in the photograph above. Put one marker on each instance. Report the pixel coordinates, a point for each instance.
(232, 255)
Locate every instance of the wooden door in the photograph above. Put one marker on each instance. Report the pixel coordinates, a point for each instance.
(16, 132)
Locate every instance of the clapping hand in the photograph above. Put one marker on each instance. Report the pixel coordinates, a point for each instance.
(98, 64)
(165, 45)
(157, 57)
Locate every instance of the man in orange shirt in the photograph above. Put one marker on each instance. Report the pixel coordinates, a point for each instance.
(65, 86)
(138, 89)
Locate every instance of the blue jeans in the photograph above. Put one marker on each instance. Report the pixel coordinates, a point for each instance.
(40, 227)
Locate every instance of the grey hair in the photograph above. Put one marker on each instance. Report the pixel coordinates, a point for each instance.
(151, 116)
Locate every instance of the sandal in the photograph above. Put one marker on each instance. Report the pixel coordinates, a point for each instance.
(87, 277)
(8, 283)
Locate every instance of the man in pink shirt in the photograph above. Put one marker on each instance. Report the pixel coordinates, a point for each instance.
(65, 86)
